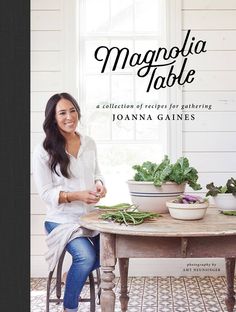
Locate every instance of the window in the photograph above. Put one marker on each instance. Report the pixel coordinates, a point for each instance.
(138, 25)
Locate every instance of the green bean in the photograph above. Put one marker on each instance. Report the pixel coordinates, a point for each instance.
(229, 212)
(129, 217)
(118, 206)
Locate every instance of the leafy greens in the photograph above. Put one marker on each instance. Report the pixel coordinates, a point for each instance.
(178, 172)
(230, 187)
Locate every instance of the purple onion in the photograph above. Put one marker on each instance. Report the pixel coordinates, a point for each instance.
(190, 197)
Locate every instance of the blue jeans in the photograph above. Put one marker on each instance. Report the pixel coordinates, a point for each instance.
(85, 259)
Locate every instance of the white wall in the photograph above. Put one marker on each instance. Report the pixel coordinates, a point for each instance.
(46, 78)
(209, 142)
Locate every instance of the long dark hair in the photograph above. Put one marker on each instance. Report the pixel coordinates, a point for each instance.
(55, 142)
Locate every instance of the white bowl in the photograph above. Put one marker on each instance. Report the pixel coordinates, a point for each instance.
(187, 211)
(225, 202)
(149, 197)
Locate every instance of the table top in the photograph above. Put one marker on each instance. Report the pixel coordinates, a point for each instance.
(213, 224)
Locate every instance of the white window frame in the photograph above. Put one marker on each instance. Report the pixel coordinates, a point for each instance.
(174, 132)
(71, 54)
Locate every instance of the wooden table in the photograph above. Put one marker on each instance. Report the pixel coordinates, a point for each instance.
(165, 237)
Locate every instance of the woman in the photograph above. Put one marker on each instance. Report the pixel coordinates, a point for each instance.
(69, 181)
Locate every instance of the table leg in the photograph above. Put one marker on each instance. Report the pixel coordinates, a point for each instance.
(108, 261)
(107, 295)
(230, 299)
(124, 298)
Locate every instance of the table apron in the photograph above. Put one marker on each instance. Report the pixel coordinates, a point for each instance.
(127, 246)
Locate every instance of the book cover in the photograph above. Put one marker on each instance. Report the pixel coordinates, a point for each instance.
(152, 78)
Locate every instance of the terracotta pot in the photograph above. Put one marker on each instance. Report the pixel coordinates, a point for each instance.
(148, 197)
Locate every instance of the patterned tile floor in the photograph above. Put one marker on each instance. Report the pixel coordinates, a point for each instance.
(153, 294)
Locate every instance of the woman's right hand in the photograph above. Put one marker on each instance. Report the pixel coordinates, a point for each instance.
(88, 197)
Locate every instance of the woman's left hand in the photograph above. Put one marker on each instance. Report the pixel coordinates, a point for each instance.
(100, 189)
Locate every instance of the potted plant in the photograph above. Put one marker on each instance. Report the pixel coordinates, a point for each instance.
(154, 184)
(188, 207)
(224, 196)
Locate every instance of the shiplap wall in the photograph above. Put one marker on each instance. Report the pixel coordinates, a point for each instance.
(47, 56)
(210, 142)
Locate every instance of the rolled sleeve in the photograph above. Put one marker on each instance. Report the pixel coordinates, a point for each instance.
(97, 174)
(48, 192)
(50, 195)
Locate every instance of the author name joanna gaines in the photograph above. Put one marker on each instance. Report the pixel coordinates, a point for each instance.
(182, 116)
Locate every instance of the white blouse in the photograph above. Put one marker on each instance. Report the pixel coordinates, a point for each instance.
(84, 171)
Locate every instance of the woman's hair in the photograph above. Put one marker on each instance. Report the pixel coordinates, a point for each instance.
(55, 142)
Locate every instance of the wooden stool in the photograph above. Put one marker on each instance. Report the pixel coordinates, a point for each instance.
(59, 284)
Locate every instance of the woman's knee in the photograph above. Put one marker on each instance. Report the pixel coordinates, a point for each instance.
(82, 252)
(85, 258)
